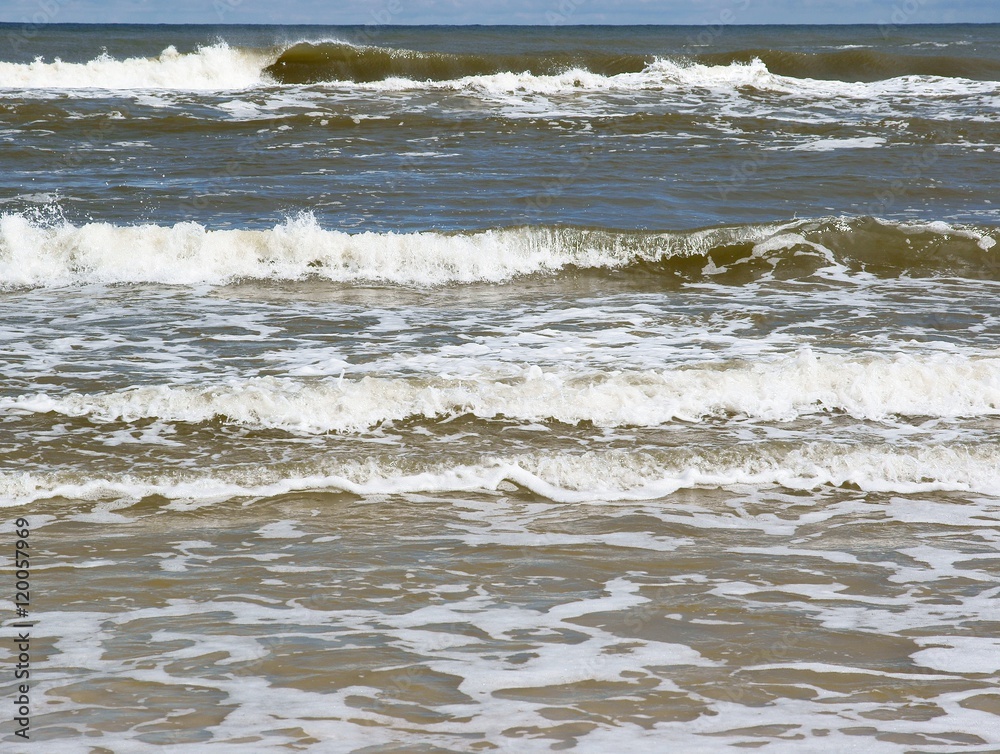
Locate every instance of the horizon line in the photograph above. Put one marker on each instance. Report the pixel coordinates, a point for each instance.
(497, 26)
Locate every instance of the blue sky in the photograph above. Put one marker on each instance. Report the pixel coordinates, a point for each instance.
(501, 11)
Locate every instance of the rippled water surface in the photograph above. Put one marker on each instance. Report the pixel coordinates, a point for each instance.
(492, 389)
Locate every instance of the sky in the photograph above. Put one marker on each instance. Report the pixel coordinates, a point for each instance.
(544, 12)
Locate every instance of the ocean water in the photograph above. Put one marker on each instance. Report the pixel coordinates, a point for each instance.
(448, 389)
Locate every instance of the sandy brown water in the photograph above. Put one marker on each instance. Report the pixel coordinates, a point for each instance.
(506, 622)
(638, 395)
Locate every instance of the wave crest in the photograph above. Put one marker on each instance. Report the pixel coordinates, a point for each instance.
(317, 62)
(221, 67)
(214, 67)
(858, 65)
(561, 477)
(866, 387)
(33, 254)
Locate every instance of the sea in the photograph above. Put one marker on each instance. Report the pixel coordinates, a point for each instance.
(500, 389)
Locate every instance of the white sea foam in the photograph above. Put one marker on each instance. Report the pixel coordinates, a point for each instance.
(829, 145)
(215, 67)
(664, 75)
(221, 67)
(32, 254)
(867, 387)
(562, 477)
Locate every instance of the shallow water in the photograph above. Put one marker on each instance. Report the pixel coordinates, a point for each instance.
(644, 397)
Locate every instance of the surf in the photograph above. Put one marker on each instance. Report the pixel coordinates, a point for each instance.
(331, 62)
(35, 254)
(317, 62)
(866, 387)
(857, 65)
(211, 67)
(559, 477)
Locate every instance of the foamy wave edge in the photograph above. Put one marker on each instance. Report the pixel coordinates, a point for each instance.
(37, 255)
(590, 477)
(34, 254)
(211, 68)
(220, 67)
(865, 386)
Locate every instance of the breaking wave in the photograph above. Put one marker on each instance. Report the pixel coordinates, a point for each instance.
(866, 387)
(215, 67)
(858, 65)
(34, 254)
(222, 67)
(317, 62)
(561, 477)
